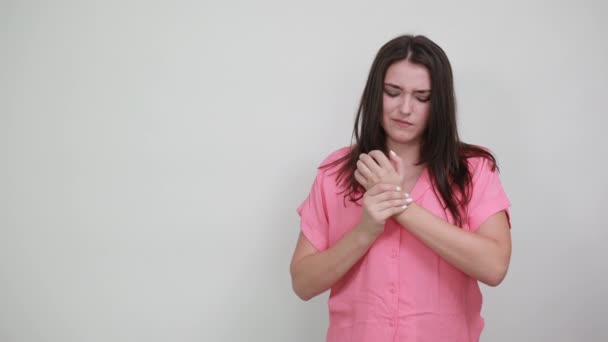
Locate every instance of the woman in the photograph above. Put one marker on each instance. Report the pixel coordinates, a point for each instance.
(404, 223)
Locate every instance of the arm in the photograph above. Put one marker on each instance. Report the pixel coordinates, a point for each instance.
(313, 271)
(483, 255)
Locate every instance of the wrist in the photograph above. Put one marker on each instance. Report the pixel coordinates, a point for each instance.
(404, 217)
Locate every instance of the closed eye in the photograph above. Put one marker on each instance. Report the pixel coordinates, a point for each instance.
(421, 99)
(391, 94)
(423, 95)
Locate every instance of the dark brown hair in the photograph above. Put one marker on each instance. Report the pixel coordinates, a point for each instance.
(441, 149)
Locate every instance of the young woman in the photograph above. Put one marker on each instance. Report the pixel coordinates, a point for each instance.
(403, 224)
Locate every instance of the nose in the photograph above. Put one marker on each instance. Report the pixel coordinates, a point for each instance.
(406, 105)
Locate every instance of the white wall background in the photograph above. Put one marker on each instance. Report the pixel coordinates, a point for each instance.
(152, 156)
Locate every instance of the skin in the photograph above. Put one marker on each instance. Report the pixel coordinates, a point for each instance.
(483, 255)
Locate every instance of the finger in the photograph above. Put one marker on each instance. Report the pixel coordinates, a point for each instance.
(361, 179)
(382, 160)
(366, 172)
(370, 163)
(390, 195)
(380, 188)
(393, 203)
(397, 163)
(396, 210)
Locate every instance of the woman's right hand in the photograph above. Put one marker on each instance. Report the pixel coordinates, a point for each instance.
(381, 202)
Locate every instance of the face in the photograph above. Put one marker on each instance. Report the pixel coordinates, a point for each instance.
(405, 102)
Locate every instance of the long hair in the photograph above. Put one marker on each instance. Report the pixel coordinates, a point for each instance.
(441, 149)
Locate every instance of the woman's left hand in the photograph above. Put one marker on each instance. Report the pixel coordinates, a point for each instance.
(374, 168)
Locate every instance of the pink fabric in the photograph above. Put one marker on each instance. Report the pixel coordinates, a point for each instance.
(400, 290)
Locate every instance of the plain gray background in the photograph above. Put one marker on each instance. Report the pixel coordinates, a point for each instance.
(153, 154)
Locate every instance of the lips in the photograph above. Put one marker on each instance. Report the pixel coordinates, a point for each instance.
(403, 123)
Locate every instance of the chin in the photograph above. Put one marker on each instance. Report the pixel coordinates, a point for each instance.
(403, 139)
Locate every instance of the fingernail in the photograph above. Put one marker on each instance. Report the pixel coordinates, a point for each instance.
(409, 200)
(407, 195)
(393, 153)
(404, 207)
(398, 188)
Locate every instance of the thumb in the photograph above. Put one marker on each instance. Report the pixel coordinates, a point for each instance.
(397, 163)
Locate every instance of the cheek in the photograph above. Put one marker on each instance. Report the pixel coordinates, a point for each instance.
(384, 121)
(386, 110)
(388, 104)
(424, 111)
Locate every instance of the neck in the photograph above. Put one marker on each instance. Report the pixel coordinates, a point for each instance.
(410, 154)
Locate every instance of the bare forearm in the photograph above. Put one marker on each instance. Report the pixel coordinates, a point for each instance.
(478, 256)
(316, 273)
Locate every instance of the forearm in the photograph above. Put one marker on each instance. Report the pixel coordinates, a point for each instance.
(478, 256)
(314, 274)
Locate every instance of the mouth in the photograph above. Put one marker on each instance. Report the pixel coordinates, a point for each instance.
(403, 123)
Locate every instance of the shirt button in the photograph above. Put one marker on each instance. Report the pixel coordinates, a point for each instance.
(391, 323)
(392, 290)
(394, 254)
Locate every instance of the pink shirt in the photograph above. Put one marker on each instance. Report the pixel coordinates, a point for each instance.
(400, 290)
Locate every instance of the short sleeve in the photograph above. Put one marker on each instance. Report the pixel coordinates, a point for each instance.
(313, 214)
(487, 196)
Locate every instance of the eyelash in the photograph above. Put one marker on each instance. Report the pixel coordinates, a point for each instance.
(395, 95)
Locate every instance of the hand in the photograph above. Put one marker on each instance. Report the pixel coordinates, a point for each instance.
(381, 202)
(375, 168)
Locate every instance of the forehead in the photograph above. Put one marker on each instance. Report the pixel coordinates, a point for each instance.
(408, 76)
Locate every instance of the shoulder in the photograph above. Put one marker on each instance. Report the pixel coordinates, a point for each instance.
(480, 160)
(483, 170)
(335, 156)
(479, 164)
(330, 171)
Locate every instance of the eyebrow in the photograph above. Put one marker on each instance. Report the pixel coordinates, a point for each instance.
(399, 88)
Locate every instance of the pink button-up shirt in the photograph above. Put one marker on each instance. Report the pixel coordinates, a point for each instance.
(400, 290)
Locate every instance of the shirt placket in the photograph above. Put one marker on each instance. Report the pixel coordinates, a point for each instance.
(393, 283)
